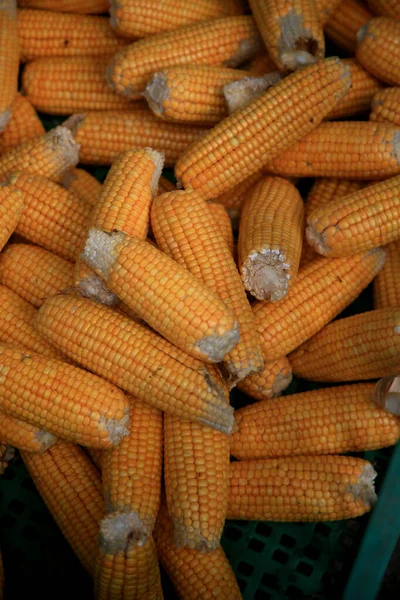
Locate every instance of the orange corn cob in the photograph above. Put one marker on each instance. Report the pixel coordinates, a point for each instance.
(301, 488)
(9, 52)
(165, 295)
(11, 207)
(47, 33)
(83, 184)
(196, 470)
(223, 223)
(322, 290)
(239, 93)
(134, 18)
(385, 106)
(185, 230)
(228, 41)
(69, 402)
(348, 149)
(345, 22)
(50, 155)
(387, 8)
(165, 185)
(63, 85)
(104, 135)
(234, 198)
(387, 282)
(161, 374)
(89, 285)
(194, 574)
(23, 125)
(52, 217)
(291, 30)
(357, 222)
(325, 9)
(127, 193)
(71, 488)
(6, 455)
(131, 473)
(270, 238)
(24, 436)
(78, 6)
(365, 346)
(17, 325)
(262, 129)
(261, 64)
(332, 420)
(377, 48)
(387, 394)
(34, 273)
(273, 379)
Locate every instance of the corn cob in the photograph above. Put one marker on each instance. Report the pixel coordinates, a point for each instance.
(52, 217)
(348, 150)
(34, 273)
(63, 85)
(360, 221)
(301, 488)
(270, 238)
(24, 436)
(365, 346)
(17, 318)
(165, 295)
(233, 199)
(96, 455)
(223, 223)
(387, 282)
(160, 374)
(74, 6)
(47, 33)
(131, 473)
(377, 48)
(387, 8)
(227, 41)
(196, 470)
(9, 52)
(332, 420)
(262, 129)
(83, 184)
(103, 135)
(23, 125)
(261, 64)
(49, 155)
(11, 207)
(239, 93)
(134, 18)
(165, 185)
(385, 106)
(273, 379)
(325, 9)
(6, 455)
(194, 574)
(202, 250)
(71, 488)
(124, 202)
(322, 290)
(89, 285)
(345, 22)
(387, 394)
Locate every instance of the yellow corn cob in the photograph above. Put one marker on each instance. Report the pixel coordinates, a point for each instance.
(123, 571)
(246, 140)
(134, 18)
(385, 106)
(388, 8)
(47, 33)
(9, 52)
(387, 282)
(386, 394)
(194, 574)
(185, 230)
(234, 198)
(165, 295)
(345, 22)
(23, 125)
(332, 420)
(96, 455)
(78, 6)
(89, 285)
(103, 135)
(228, 41)
(131, 473)
(261, 64)
(273, 379)
(165, 185)
(11, 206)
(291, 30)
(24, 436)
(325, 8)
(348, 149)
(6, 455)
(83, 184)
(34, 273)
(377, 48)
(17, 325)
(63, 85)
(239, 93)
(357, 222)
(191, 93)
(71, 488)
(49, 155)
(52, 217)
(196, 470)
(270, 238)
(365, 346)
(127, 193)
(69, 402)
(301, 488)
(223, 223)
(322, 290)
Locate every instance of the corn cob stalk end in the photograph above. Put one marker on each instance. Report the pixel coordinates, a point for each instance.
(266, 274)
(63, 136)
(387, 394)
(241, 92)
(364, 488)
(116, 429)
(121, 529)
(156, 93)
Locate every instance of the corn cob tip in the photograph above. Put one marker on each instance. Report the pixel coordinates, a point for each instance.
(93, 287)
(364, 488)
(156, 93)
(158, 160)
(241, 92)
(68, 179)
(45, 439)
(120, 530)
(362, 33)
(116, 429)
(386, 394)
(193, 539)
(281, 382)
(297, 46)
(226, 419)
(266, 274)
(216, 346)
(74, 122)
(317, 240)
(248, 48)
(63, 136)
(5, 116)
(100, 250)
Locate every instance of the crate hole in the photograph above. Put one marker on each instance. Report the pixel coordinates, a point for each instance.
(322, 529)
(242, 584)
(311, 552)
(7, 521)
(261, 595)
(270, 581)
(233, 534)
(256, 545)
(328, 580)
(9, 473)
(287, 541)
(264, 530)
(16, 506)
(335, 564)
(28, 485)
(293, 592)
(280, 557)
(304, 569)
(30, 533)
(345, 540)
(245, 569)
